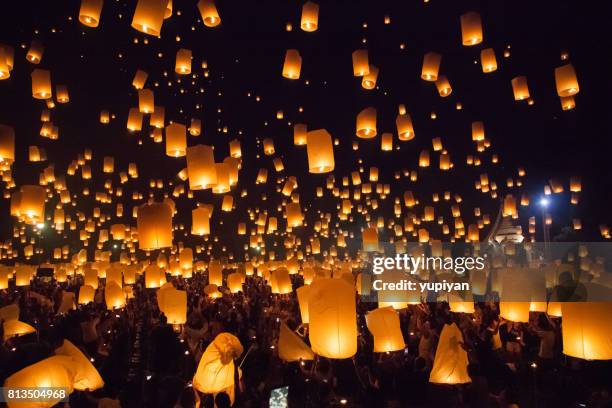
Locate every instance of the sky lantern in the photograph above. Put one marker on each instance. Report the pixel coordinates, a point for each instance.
(195, 129)
(215, 372)
(86, 377)
(451, 360)
(52, 372)
(41, 84)
(302, 294)
(471, 28)
(235, 150)
(223, 178)
(146, 101)
(361, 64)
(405, 130)
(154, 223)
(488, 60)
(89, 14)
(7, 145)
(140, 78)
(370, 239)
(478, 132)
(234, 282)
(153, 276)
(566, 81)
(515, 311)
(587, 330)
(15, 328)
(31, 205)
(291, 347)
(520, 88)
(366, 123)
(300, 132)
(176, 140)
(149, 16)
(280, 281)
(201, 167)
(210, 15)
(292, 65)
(333, 318)
(183, 62)
(294, 215)
(431, 66)
(175, 306)
(134, 122)
(368, 81)
(320, 151)
(443, 86)
(5, 70)
(310, 17)
(35, 52)
(215, 273)
(384, 325)
(86, 294)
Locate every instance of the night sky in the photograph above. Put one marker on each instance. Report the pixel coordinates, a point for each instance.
(245, 58)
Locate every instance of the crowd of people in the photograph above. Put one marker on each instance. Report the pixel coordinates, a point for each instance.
(146, 362)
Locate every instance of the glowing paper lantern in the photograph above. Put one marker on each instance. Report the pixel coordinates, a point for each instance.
(149, 16)
(210, 15)
(431, 66)
(7, 145)
(215, 371)
(183, 62)
(310, 17)
(280, 281)
(15, 328)
(292, 65)
(53, 372)
(234, 282)
(201, 167)
(175, 306)
(154, 223)
(366, 123)
(361, 64)
(223, 178)
(35, 52)
(302, 295)
(215, 273)
(32, 204)
(515, 311)
(294, 214)
(176, 140)
(443, 86)
(291, 347)
(201, 221)
(451, 360)
(520, 88)
(405, 130)
(90, 11)
(86, 377)
(368, 81)
(333, 318)
(320, 151)
(587, 330)
(384, 325)
(488, 60)
(471, 28)
(86, 294)
(146, 101)
(114, 296)
(41, 84)
(566, 80)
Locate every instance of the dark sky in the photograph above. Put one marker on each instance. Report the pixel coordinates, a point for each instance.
(245, 54)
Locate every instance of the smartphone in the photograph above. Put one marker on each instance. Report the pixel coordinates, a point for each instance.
(279, 397)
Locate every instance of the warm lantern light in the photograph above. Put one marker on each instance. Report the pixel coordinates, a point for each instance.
(405, 130)
(183, 62)
(176, 140)
(114, 295)
(368, 81)
(41, 84)
(333, 318)
(471, 28)
(384, 325)
(431, 66)
(310, 17)
(587, 330)
(361, 65)
(294, 214)
(56, 372)
(216, 370)
(370, 239)
(87, 377)
(90, 11)
(210, 15)
(291, 347)
(366, 123)
(320, 151)
(293, 64)
(149, 16)
(201, 167)
(520, 88)
(7, 145)
(451, 360)
(488, 60)
(566, 81)
(443, 86)
(154, 224)
(515, 311)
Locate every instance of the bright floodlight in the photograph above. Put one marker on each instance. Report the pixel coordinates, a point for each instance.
(544, 202)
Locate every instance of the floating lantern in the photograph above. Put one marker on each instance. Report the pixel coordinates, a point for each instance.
(310, 17)
(183, 62)
(451, 360)
(587, 330)
(471, 28)
(293, 64)
(154, 223)
(431, 66)
(86, 377)
(176, 140)
(566, 81)
(488, 60)
(291, 347)
(320, 152)
(89, 14)
(368, 81)
(361, 65)
(384, 325)
(41, 84)
(149, 16)
(520, 88)
(333, 318)
(201, 167)
(366, 123)
(210, 15)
